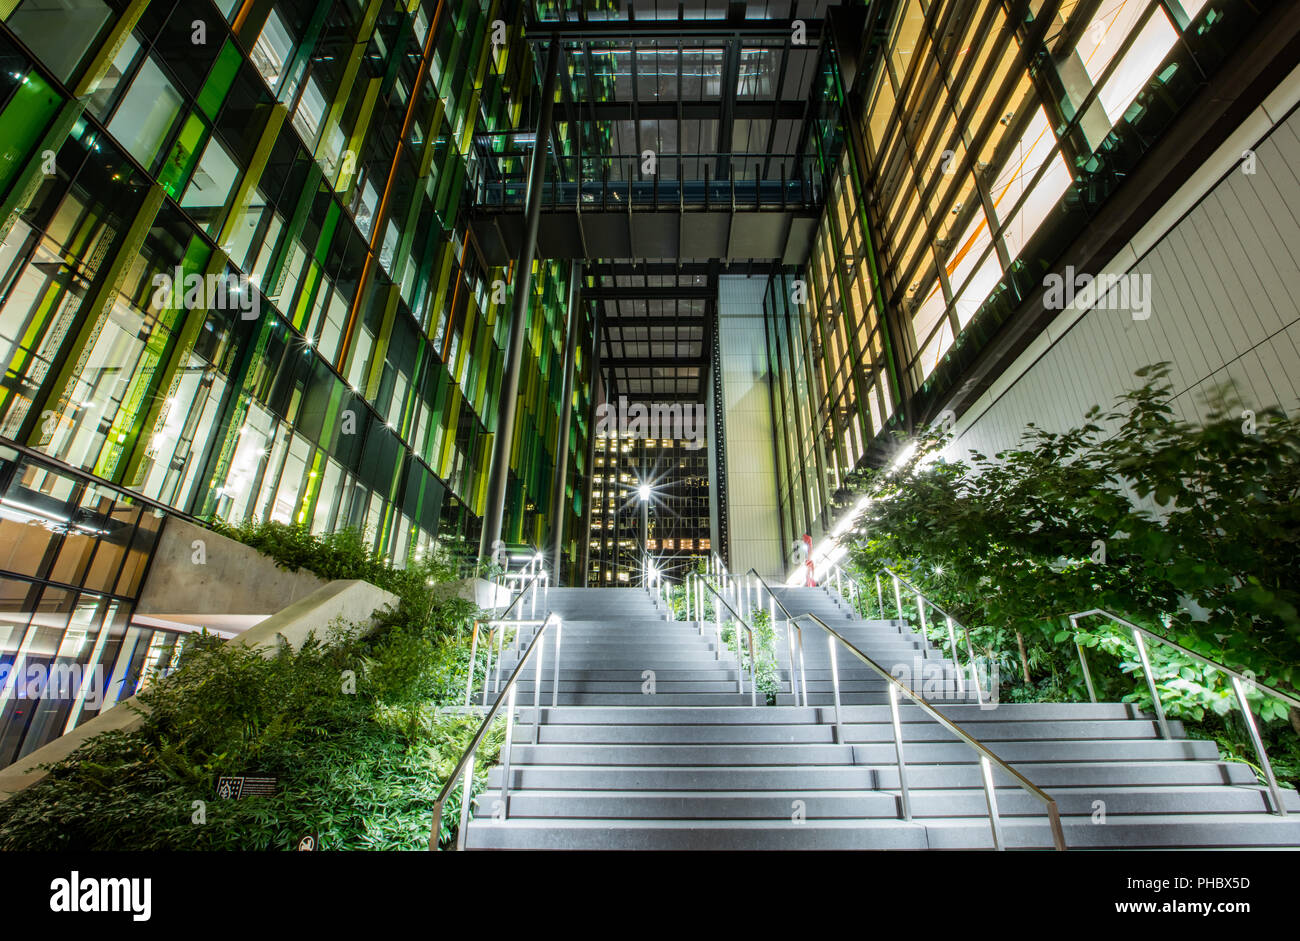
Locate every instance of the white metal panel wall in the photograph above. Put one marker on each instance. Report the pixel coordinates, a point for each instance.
(1225, 281)
(752, 518)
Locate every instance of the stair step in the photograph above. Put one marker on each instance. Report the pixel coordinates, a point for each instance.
(959, 713)
(882, 777)
(695, 766)
(804, 754)
(738, 733)
(848, 805)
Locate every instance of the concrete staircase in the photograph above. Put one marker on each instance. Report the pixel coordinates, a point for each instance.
(891, 643)
(692, 765)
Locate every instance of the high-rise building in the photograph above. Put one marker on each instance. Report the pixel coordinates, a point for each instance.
(674, 531)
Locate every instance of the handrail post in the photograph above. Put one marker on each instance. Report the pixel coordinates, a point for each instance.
(803, 678)
(898, 599)
(506, 747)
(835, 687)
(789, 646)
(1054, 821)
(488, 671)
(555, 678)
(990, 797)
(920, 613)
(880, 598)
(1151, 683)
(537, 690)
(717, 632)
(1083, 662)
(956, 664)
(740, 662)
(974, 668)
(466, 798)
(473, 660)
(898, 751)
(500, 643)
(1265, 765)
(753, 683)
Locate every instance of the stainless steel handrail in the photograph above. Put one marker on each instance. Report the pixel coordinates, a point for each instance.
(535, 570)
(652, 580)
(951, 623)
(987, 758)
(466, 763)
(1239, 683)
(497, 630)
(740, 668)
(789, 639)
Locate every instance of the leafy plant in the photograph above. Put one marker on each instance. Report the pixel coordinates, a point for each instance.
(1190, 530)
(354, 729)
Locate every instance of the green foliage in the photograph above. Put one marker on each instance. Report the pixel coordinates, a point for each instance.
(1190, 530)
(351, 726)
(766, 673)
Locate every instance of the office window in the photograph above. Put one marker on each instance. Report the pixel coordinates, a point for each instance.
(60, 32)
(147, 115)
(211, 186)
(110, 87)
(272, 50)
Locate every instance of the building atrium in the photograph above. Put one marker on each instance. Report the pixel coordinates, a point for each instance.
(681, 424)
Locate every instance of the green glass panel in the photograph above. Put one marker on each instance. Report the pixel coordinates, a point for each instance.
(185, 153)
(22, 123)
(219, 80)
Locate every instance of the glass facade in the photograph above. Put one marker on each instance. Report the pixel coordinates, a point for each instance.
(73, 555)
(241, 271)
(979, 148)
(314, 157)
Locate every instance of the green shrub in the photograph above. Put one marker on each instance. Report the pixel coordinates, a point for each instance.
(1192, 531)
(352, 727)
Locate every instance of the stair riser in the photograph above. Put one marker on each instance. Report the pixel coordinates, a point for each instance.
(988, 733)
(878, 805)
(1021, 712)
(972, 834)
(861, 754)
(819, 778)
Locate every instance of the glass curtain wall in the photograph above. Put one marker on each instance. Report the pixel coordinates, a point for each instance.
(984, 145)
(73, 554)
(311, 157)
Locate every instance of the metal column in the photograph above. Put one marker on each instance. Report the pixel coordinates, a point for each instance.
(499, 469)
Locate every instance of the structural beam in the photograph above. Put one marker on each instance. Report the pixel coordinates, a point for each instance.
(634, 321)
(603, 111)
(633, 30)
(651, 361)
(670, 292)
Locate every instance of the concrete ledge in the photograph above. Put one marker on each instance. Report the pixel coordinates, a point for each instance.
(232, 579)
(482, 592)
(350, 600)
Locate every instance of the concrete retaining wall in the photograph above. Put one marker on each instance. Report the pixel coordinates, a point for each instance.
(350, 601)
(232, 579)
